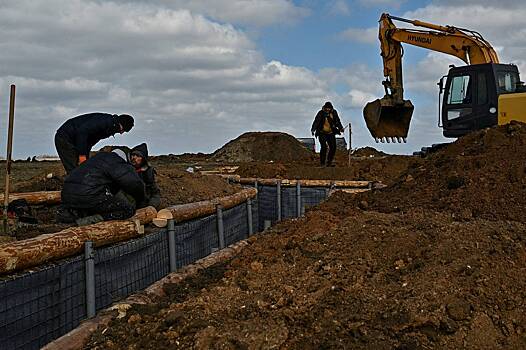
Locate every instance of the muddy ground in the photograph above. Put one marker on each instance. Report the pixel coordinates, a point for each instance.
(434, 261)
(271, 155)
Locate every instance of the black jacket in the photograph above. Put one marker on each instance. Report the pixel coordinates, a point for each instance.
(147, 175)
(319, 120)
(86, 130)
(99, 177)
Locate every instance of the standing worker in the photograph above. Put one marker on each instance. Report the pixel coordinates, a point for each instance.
(75, 138)
(325, 127)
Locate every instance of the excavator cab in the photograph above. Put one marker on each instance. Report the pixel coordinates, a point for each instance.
(471, 96)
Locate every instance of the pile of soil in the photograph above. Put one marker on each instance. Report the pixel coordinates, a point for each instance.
(367, 152)
(481, 175)
(363, 281)
(263, 147)
(384, 169)
(432, 262)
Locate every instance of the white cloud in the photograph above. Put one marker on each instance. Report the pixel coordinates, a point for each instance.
(190, 82)
(338, 8)
(361, 35)
(244, 12)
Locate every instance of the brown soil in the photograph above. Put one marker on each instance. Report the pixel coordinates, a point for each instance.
(385, 169)
(435, 261)
(177, 186)
(367, 152)
(262, 146)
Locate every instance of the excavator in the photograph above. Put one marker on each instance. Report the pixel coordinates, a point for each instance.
(481, 94)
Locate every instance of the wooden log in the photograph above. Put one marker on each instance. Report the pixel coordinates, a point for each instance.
(41, 249)
(307, 183)
(190, 211)
(145, 215)
(43, 197)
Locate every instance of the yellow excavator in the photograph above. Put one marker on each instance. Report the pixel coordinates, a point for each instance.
(481, 94)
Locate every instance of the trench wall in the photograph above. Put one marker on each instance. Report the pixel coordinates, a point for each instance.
(44, 303)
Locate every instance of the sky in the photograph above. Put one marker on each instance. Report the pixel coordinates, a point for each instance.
(197, 73)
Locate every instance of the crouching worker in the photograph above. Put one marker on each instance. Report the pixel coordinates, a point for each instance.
(139, 159)
(105, 187)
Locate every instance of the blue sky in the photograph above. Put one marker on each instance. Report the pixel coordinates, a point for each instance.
(198, 73)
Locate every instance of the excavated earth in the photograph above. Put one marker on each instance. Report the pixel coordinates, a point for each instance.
(434, 261)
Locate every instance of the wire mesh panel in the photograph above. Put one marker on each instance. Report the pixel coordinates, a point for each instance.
(123, 269)
(39, 306)
(235, 224)
(195, 239)
(267, 205)
(288, 202)
(312, 196)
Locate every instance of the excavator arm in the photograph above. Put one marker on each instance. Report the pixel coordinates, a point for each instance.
(388, 118)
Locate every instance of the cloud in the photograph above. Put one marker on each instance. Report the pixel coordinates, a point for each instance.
(361, 35)
(338, 8)
(191, 83)
(244, 12)
(382, 3)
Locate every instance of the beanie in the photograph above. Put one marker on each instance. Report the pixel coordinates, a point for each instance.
(126, 121)
(327, 105)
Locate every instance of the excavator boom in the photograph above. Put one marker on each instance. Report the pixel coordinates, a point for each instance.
(388, 119)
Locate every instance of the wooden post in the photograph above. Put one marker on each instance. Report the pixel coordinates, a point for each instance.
(9, 154)
(350, 144)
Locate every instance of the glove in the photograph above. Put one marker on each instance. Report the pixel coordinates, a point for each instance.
(82, 159)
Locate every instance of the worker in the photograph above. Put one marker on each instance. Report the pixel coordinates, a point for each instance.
(105, 187)
(75, 138)
(139, 159)
(325, 127)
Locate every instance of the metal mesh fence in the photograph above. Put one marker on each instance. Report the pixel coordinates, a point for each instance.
(39, 306)
(125, 268)
(195, 239)
(236, 224)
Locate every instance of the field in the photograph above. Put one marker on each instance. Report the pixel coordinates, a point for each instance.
(435, 260)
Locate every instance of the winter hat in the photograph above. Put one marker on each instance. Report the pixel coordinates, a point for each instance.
(126, 121)
(327, 105)
(142, 151)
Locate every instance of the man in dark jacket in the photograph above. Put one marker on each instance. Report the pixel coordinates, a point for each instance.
(89, 193)
(326, 126)
(75, 138)
(139, 159)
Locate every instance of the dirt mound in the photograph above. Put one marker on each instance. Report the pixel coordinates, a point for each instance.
(480, 175)
(367, 152)
(363, 281)
(385, 169)
(262, 147)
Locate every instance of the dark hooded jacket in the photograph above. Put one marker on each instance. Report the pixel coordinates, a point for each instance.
(147, 175)
(84, 131)
(319, 120)
(101, 176)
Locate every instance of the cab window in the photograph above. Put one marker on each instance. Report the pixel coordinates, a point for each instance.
(460, 91)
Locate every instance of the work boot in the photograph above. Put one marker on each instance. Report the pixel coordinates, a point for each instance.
(65, 215)
(89, 220)
(331, 165)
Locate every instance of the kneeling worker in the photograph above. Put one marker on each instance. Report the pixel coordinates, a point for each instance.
(139, 159)
(75, 138)
(93, 191)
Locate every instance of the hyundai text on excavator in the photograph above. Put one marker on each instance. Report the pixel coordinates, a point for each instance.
(481, 94)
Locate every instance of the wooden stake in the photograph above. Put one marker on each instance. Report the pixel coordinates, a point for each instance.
(9, 155)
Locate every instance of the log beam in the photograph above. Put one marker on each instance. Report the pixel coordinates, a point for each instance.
(43, 197)
(190, 211)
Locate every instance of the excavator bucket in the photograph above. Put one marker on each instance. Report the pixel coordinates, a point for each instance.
(387, 120)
